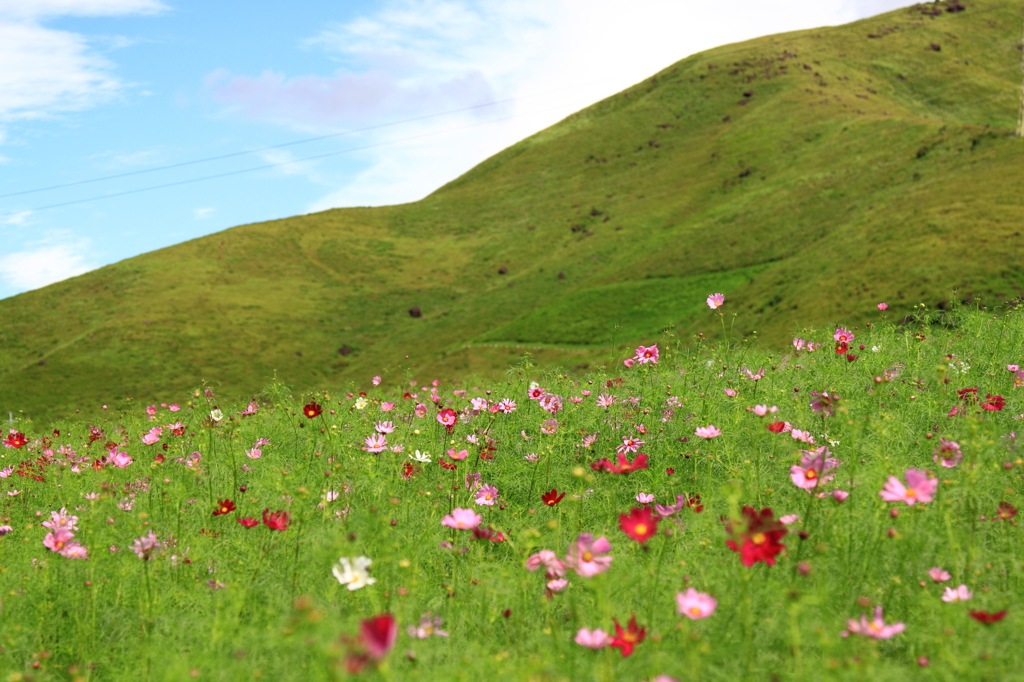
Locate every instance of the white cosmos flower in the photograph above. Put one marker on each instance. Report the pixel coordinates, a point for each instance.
(216, 415)
(422, 457)
(353, 573)
(361, 403)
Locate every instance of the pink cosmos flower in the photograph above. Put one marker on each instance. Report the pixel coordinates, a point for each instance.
(695, 605)
(883, 306)
(789, 519)
(843, 335)
(144, 546)
(715, 301)
(812, 468)
(823, 403)
(557, 585)
(960, 593)
(840, 495)
(947, 453)
(731, 392)
(4, 530)
(384, 427)
(647, 355)
(174, 407)
(644, 498)
(604, 400)
(762, 410)
(551, 403)
(531, 457)
(151, 410)
(802, 436)
(376, 442)
(458, 456)
(587, 555)
(376, 381)
(74, 550)
(462, 519)
(535, 392)
(708, 432)
(150, 438)
(629, 444)
(549, 426)
(799, 344)
(120, 459)
(254, 453)
(592, 639)
(939, 575)
(486, 495)
(589, 440)
(6, 472)
(919, 488)
(546, 558)
(478, 404)
(56, 540)
(752, 376)
(876, 628)
(61, 519)
(429, 625)
(507, 405)
(629, 362)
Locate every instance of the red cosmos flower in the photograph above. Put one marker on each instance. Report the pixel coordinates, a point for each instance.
(312, 410)
(693, 502)
(756, 536)
(639, 524)
(623, 466)
(552, 498)
(850, 357)
(445, 464)
(776, 427)
(995, 403)
(986, 617)
(279, 520)
(1005, 513)
(409, 470)
(629, 638)
(448, 418)
(224, 507)
(160, 459)
(378, 635)
(841, 348)
(15, 439)
(249, 522)
(968, 395)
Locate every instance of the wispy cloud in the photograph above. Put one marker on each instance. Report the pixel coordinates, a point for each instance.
(204, 213)
(53, 259)
(15, 219)
(44, 71)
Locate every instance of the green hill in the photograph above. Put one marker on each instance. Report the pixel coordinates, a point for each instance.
(806, 175)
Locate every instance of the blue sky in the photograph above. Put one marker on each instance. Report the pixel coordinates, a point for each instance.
(96, 88)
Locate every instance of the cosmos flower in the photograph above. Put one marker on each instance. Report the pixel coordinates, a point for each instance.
(947, 453)
(354, 573)
(875, 628)
(627, 639)
(278, 520)
(645, 355)
(715, 301)
(588, 556)
(592, 639)
(224, 507)
(707, 432)
(955, 594)
(462, 519)
(695, 605)
(938, 574)
(312, 409)
(919, 488)
(486, 495)
(813, 466)
(144, 546)
(375, 442)
(639, 524)
(756, 536)
(430, 625)
(552, 497)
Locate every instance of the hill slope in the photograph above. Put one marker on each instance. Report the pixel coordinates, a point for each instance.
(806, 175)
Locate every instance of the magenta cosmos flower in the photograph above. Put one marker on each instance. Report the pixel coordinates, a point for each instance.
(647, 354)
(715, 301)
(947, 453)
(919, 488)
(462, 519)
(710, 431)
(486, 495)
(875, 628)
(813, 466)
(843, 335)
(587, 555)
(883, 306)
(695, 605)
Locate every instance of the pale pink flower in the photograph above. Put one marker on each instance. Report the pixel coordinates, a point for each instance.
(843, 335)
(4, 530)
(376, 442)
(802, 436)
(120, 459)
(331, 495)
(753, 376)
(939, 575)
(549, 426)
(507, 405)
(799, 344)
(557, 585)
(883, 306)
(385, 406)
(384, 427)
(174, 407)
(486, 495)
(592, 639)
(587, 556)
(960, 593)
(254, 453)
(919, 488)
(478, 404)
(708, 432)
(647, 355)
(458, 456)
(761, 410)
(947, 453)
(144, 546)
(875, 628)
(546, 558)
(150, 438)
(715, 301)
(13, 493)
(840, 495)
(589, 439)
(605, 400)
(151, 410)
(629, 444)
(6, 471)
(531, 457)
(789, 519)
(731, 392)
(61, 519)
(644, 498)
(629, 362)
(376, 381)
(812, 468)
(74, 550)
(1013, 368)
(462, 519)
(420, 410)
(551, 403)
(429, 625)
(695, 605)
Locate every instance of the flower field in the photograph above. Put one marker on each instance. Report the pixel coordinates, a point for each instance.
(845, 508)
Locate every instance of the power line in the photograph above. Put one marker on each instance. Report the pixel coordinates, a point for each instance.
(294, 142)
(274, 165)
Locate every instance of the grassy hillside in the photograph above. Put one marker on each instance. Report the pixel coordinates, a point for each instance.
(804, 175)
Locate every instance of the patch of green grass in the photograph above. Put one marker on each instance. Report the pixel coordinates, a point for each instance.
(859, 169)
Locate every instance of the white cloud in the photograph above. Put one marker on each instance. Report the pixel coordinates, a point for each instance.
(18, 218)
(42, 263)
(204, 213)
(408, 58)
(44, 71)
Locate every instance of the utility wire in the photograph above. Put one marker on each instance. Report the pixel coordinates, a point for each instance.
(275, 165)
(295, 142)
